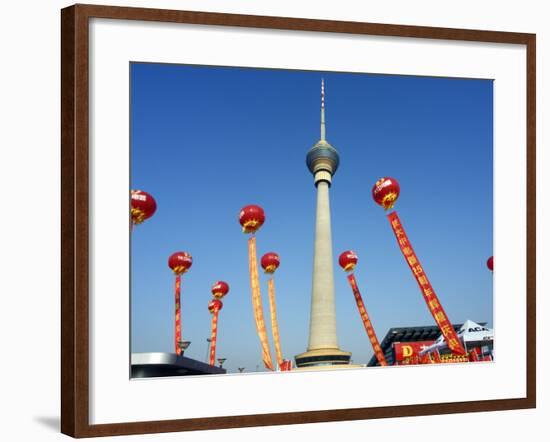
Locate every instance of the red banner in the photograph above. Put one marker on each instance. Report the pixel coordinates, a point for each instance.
(177, 321)
(436, 309)
(366, 321)
(408, 353)
(257, 303)
(274, 323)
(213, 336)
(404, 350)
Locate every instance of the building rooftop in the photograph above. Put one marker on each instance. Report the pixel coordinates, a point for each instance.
(154, 365)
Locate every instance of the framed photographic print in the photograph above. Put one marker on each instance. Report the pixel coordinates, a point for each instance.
(299, 215)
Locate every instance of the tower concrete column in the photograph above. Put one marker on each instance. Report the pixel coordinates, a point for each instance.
(322, 326)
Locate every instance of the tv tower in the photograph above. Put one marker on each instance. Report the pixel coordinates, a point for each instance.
(322, 161)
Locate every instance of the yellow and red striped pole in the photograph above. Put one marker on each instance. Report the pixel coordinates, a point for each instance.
(179, 262)
(177, 322)
(214, 307)
(219, 290)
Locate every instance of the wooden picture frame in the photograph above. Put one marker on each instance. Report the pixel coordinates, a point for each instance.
(75, 379)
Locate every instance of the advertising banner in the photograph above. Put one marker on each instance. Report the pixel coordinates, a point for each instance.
(431, 299)
(404, 350)
(366, 321)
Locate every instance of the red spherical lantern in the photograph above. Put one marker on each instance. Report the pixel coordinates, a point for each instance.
(220, 289)
(251, 218)
(215, 306)
(348, 260)
(385, 192)
(142, 206)
(490, 263)
(180, 262)
(270, 262)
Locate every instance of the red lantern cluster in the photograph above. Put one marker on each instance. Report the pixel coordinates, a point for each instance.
(180, 262)
(270, 262)
(348, 260)
(385, 192)
(490, 263)
(142, 206)
(251, 218)
(220, 289)
(215, 306)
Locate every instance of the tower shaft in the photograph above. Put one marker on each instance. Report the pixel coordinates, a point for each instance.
(322, 326)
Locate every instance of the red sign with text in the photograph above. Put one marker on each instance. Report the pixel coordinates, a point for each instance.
(404, 350)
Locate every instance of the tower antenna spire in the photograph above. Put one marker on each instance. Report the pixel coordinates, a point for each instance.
(323, 129)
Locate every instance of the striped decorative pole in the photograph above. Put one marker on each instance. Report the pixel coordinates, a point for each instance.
(219, 290)
(214, 307)
(179, 262)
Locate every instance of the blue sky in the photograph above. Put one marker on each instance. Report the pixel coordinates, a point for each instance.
(206, 141)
